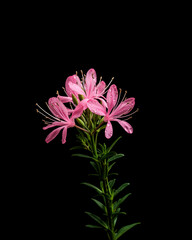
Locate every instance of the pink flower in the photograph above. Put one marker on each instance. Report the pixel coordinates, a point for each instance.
(60, 118)
(87, 88)
(115, 111)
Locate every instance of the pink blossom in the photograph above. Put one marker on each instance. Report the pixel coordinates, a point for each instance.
(87, 88)
(60, 118)
(115, 111)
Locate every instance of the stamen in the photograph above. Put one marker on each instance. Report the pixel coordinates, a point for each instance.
(105, 90)
(48, 113)
(44, 115)
(57, 92)
(120, 91)
(76, 73)
(46, 122)
(100, 80)
(129, 114)
(65, 91)
(81, 73)
(124, 96)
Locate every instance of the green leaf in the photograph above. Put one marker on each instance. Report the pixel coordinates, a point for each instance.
(76, 147)
(81, 155)
(101, 128)
(115, 157)
(112, 174)
(92, 226)
(94, 165)
(111, 183)
(92, 186)
(108, 155)
(97, 219)
(99, 204)
(113, 144)
(123, 186)
(120, 201)
(124, 230)
(110, 166)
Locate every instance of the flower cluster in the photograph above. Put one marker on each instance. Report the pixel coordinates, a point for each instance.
(85, 96)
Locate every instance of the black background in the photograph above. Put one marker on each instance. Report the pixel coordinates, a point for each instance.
(49, 200)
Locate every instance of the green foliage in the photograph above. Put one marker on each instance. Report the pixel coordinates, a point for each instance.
(93, 186)
(123, 186)
(103, 160)
(120, 201)
(82, 155)
(124, 230)
(93, 226)
(99, 204)
(116, 156)
(113, 144)
(97, 219)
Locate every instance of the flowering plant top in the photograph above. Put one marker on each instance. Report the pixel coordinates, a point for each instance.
(92, 106)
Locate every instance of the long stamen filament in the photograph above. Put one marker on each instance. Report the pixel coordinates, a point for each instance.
(117, 103)
(44, 115)
(128, 115)
(47, 112)
(105, 90)
(65, 91)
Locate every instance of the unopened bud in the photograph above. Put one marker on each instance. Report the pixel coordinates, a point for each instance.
(81, 97)
(80, 122)
(75, 101)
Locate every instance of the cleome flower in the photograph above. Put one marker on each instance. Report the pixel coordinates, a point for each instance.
(115, 111)
(87, 88)
(60, 118)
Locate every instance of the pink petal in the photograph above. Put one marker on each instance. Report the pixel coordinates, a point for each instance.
(65, 99)
(100, 88)
(125, 125)
(103, 102)
(124, 107)
(67, 87)
(76, 89)
(112, 96)
(64, 135)
(96, 107)
(54, 124)
(53, 134)
(90, 81)
(77, 111)
(58, 108)
(108, 130)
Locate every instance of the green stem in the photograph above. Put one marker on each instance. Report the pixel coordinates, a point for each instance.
(108, 202)
(103, 166)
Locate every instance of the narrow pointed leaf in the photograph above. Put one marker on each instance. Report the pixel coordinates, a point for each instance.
(111, 183)
(124, 230)
(110, 166)
(94, 165)
(97, 219)
(120, 201)
(116, 157)
(99, 204)
(113, 144)
(123, 186)
(92, 186)
(81, 155)
(108, 155)
(76, 147)
(92, 226)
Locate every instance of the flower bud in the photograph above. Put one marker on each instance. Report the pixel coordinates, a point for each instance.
(80, 122)
(81, 97)
(75, 101)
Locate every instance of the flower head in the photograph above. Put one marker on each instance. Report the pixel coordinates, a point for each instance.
(87, 88)
(115, 111)
(60, 118)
